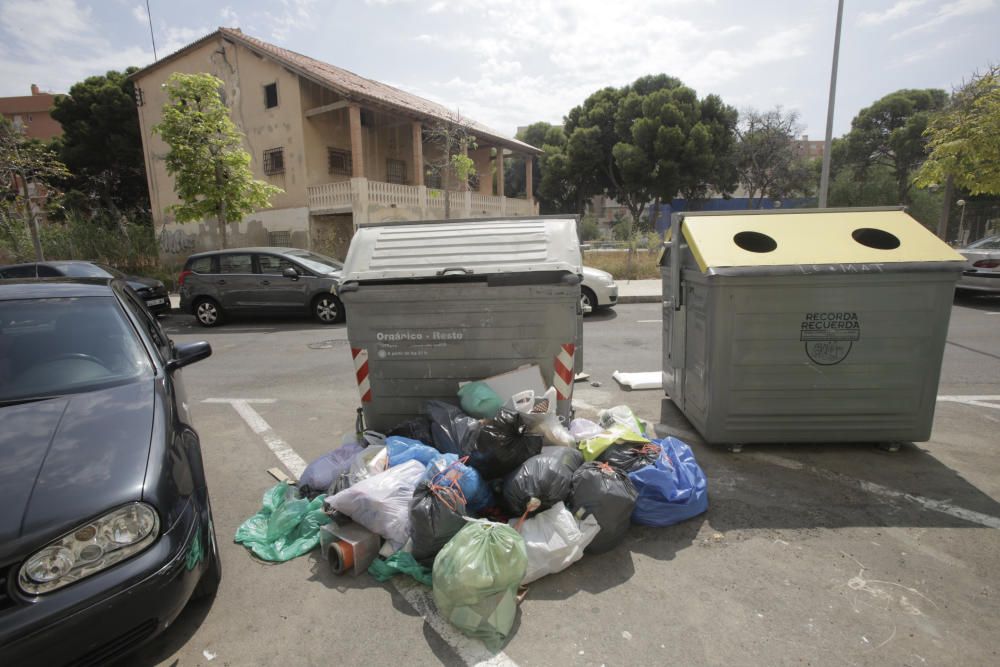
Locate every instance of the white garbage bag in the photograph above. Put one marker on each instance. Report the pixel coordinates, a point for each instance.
(381, 503)
(554, 540)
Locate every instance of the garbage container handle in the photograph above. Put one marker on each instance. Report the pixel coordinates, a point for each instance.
(454, 269)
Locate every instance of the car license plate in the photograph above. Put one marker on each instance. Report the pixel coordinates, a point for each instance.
(155, 302)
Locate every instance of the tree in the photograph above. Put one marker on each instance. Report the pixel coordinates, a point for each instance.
(649, 141)
(891, 133)
(102, 144)
(211, 169)
(767, 160)
(551, 182)
(29, 171)
(454, 140)
(964, 140)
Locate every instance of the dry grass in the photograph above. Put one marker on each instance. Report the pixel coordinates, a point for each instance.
(643, 265)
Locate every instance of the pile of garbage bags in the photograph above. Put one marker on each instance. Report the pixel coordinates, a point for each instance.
(480, 497)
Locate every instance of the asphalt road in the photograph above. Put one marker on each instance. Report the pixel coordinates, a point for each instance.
(807, 555)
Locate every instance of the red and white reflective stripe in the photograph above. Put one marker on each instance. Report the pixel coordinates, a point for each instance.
(360, 355)
(562, 378)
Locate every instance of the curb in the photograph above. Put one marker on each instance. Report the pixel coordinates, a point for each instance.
(640, 298)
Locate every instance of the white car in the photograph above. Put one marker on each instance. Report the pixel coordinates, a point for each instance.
(983, 270)
(598, 290)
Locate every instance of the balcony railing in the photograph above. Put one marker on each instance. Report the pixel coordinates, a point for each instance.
(359, 195)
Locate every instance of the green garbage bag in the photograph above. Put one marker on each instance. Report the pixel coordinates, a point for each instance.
(401, 562)
(285, 527)
(476, 576)
(479, 400)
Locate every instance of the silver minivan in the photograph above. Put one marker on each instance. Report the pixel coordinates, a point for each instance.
(257, 281)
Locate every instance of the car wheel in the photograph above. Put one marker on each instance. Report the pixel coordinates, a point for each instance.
(208, 313)
(327, 309)
(208, 585)
(587, 299)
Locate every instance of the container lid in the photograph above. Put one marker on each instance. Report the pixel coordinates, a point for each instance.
(451, 248)
(829, 236)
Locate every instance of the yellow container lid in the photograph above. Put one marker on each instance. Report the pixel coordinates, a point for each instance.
(833, 236)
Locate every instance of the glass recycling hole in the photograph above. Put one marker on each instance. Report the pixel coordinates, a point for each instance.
(875, 238)
(755, 242)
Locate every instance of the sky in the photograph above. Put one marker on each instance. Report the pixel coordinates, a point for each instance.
(508, 63)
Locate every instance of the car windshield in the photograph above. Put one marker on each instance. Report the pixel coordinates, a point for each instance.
(317, 263)
(50, 347)
(82, 270)
(989, 243)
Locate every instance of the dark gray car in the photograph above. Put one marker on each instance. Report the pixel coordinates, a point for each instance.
(258, 281)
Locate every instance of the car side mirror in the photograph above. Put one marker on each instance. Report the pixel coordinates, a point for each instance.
(290, 272)
(188, 353)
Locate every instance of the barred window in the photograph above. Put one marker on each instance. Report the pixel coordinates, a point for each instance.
(274, 161)
(338, 161)
(433, 179)
(395, 171)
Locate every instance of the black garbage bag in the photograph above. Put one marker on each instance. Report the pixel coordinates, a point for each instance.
(630, 456)
(541, 481)
(418, 428)
(503, 444)
(436, 515)
(452, 431)
(609, 495)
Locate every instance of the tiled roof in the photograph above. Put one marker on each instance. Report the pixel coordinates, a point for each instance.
(353, 86)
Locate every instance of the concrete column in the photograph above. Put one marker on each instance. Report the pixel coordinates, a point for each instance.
(481, 158)
(499, 168)
(418, 152)
(528, 185)
(359, 192)
(422, 198)
(357, 150)
(467, 204)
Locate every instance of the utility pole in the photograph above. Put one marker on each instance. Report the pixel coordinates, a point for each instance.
(824, 180)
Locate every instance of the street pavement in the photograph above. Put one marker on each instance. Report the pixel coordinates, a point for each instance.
(809, 554)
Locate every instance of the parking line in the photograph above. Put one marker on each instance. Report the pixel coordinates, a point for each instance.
(977, 401)
(647, 321)
(879, 490)
(471, 652)
(294, 463)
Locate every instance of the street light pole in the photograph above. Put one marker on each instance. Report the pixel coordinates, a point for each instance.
(961, 222)
(824, 179)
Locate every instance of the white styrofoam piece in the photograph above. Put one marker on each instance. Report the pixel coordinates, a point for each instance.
(650, 380)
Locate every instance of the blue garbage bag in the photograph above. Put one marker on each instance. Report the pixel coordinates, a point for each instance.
(321, 473)
(477, 493)
(671, 489)
(400, 450)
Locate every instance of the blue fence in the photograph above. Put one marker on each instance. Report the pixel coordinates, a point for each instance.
(734, 204)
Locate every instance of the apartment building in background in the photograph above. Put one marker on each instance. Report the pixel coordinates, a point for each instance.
(346, 150)
(30, 114)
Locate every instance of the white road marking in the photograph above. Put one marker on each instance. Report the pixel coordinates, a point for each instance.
(294, 463)
(647, 321)
(978, 401)
(877, 489)
(472, 652)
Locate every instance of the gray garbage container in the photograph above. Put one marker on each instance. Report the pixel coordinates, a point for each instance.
(822, 325)
(431, 304)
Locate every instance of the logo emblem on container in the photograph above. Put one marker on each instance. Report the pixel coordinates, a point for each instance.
(829, 337)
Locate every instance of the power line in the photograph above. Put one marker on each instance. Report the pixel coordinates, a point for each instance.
(149, 17)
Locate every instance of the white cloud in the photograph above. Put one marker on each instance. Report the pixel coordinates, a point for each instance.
(437, 7)
(291, 15)
(899, 10)
(37, 26)
(140, 15)
(229, 16)
(948, 11)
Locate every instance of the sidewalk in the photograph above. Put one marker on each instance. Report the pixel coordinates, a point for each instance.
(639, 291)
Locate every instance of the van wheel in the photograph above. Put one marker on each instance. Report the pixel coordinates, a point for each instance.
(327, 309)
(208, 312)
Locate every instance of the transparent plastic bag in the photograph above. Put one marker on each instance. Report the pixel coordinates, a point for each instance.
(476, 576)
(370, 461)
(541, 416)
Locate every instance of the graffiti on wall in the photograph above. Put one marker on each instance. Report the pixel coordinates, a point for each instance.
(175, 241)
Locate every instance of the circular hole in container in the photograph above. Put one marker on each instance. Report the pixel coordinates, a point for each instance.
(875, 238)
(755, 242)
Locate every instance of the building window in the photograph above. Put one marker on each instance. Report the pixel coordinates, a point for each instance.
(338, 161)
(395, 171)
(433, 179)
(274, 161)
(276, 240)
(367, 118)
(270, 95)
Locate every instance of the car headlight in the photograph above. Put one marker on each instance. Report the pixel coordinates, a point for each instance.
(92, 547)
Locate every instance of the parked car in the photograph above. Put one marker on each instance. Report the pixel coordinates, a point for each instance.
(105, 523)
(983, 271)
(152, 291)
(259, 281)
(598, 290)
